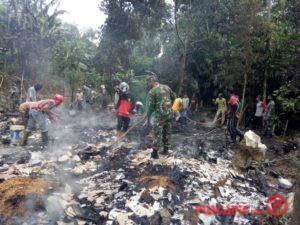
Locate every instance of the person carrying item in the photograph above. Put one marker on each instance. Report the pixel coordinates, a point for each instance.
(32, 91)
(37, 114)
(221, 110)
(124, 108)
(232, 117)
(161, 98)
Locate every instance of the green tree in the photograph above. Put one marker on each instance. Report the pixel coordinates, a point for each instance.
(73, 58)
(30, 32)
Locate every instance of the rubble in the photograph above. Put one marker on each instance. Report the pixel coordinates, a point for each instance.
(93, 184)
(257, 150)
(290, 203)
(285, 183)
(14, 190)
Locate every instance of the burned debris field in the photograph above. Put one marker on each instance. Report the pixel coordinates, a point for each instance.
(149, 112)
(81, 179)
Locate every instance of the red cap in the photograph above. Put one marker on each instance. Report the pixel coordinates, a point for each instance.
(58, 99)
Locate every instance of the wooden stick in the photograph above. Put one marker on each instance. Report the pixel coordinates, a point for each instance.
(203, 123)
(285, 128)
(2, 77)
(130, 129)
(22, 86)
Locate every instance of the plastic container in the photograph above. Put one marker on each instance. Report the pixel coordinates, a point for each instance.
(16, 133)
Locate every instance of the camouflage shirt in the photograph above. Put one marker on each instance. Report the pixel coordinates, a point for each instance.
(270, 110)
(160, 99)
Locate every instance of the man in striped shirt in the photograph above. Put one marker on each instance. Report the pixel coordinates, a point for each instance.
(37, 114)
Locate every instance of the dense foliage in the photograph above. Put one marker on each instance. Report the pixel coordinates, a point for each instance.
(196, 46)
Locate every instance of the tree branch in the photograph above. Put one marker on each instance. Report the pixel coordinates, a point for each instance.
(176, 24)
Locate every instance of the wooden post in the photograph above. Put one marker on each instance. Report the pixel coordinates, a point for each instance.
(22, 86)
(285, 128)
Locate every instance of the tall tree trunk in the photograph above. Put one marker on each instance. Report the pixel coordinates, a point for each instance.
(243, 97)
(266, 73)
(22, 87)
(184, 49)
(265, 85)
(183, 69)
(72, 94)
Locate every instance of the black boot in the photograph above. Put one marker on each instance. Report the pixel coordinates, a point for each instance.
(45, 138)
(24, 139)
(166, 150)
(154, 153)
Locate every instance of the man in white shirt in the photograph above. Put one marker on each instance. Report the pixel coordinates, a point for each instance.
(185, 105)
(31, 93)
(258, 117)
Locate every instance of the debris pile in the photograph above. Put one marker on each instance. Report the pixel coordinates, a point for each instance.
(19, 193)
(79, 180)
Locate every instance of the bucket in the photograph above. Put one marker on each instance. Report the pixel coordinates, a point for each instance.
(15, 132)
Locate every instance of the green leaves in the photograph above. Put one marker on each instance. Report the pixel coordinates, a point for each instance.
(288, 96)
(31, 29)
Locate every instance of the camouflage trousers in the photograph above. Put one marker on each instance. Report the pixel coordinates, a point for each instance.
(162, 130)
(14, 104)
(268, 126)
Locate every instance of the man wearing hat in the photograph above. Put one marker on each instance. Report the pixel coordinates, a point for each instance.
(32, 91)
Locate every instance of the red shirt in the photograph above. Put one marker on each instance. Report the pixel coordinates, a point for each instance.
(124, 108)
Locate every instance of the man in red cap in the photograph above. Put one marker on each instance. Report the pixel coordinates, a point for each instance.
(37, 114)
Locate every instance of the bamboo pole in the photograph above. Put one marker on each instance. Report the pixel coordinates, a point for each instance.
(285, 128)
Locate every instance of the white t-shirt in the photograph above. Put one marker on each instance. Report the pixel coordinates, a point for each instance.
(259, 110)
(31, 94)
(185, 103)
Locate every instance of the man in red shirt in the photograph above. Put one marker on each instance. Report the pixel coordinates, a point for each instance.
(37, 114)
(232, 118)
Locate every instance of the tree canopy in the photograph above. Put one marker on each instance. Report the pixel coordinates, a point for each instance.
(195, 46)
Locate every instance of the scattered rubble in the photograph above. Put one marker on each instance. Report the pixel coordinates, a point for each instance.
(78, 180)
(285, 183)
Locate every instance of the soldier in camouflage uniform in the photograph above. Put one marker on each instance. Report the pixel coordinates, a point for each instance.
(161, 98)
(268, 117)
(14, 93)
